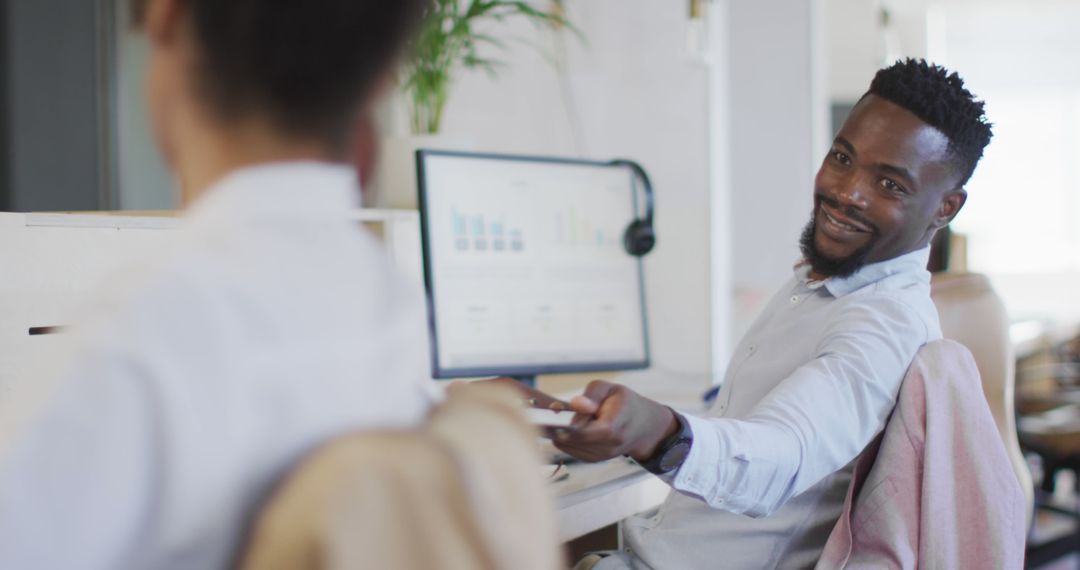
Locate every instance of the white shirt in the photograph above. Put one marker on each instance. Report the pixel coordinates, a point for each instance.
(274, 324)
(811, 384)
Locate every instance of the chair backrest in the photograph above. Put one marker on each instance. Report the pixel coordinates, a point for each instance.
(464, 492)
(972, 314)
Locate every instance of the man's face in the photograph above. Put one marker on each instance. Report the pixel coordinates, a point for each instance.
(885, 187)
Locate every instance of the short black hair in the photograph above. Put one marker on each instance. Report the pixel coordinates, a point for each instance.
(940, 99)
(304, 64)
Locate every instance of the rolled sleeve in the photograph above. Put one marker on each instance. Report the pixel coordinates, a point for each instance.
(697, 475)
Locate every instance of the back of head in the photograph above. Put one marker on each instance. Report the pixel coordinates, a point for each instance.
(942, 101)
(303, 65)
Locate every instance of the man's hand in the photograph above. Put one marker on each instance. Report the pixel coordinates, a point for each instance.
(612, 420)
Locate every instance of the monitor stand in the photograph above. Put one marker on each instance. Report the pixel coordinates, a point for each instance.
(528, 380)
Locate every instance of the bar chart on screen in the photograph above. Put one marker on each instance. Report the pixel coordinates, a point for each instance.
(527, 264)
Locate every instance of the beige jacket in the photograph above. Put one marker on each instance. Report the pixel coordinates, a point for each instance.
(465, 493)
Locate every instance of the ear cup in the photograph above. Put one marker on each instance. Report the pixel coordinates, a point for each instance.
(639, 238)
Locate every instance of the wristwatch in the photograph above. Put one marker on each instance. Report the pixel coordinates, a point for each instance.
(672, 452)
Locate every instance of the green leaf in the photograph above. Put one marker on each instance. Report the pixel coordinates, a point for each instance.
(448, 42)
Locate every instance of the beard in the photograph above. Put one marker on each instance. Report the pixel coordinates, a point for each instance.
(829, 266)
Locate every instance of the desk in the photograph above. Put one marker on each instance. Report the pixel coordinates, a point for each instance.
(600, 494)
(597, 495)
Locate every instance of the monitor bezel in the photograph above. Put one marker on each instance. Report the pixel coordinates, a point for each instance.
(437, 371)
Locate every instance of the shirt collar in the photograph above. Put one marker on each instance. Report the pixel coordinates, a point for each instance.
(913, 263)
(292, 191)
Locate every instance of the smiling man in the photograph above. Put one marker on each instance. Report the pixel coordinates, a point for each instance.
(760, 481)
(887, 174)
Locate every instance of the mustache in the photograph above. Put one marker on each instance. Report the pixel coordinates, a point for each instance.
(849, 212)
(831, 267)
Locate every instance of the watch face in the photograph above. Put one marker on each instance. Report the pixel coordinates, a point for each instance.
(674, 456)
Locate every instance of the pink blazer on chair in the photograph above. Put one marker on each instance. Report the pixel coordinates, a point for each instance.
(936, 490)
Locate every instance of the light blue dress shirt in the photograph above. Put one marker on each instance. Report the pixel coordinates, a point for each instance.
(809, 387)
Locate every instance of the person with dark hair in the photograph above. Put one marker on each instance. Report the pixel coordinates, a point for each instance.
(272, 322)
(760, 481)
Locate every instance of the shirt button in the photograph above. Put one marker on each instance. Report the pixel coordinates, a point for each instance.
(794, 299)
(752, 348)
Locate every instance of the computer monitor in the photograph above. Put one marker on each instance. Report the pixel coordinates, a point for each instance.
(525, 268)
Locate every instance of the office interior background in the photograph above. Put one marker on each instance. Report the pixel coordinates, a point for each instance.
(730, 104)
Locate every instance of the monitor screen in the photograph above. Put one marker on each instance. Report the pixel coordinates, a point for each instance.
(525, 267)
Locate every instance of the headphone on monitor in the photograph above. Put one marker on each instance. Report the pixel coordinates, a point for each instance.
(640, 237)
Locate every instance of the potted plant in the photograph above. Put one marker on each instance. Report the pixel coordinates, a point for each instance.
(450, 40)
(454, 37)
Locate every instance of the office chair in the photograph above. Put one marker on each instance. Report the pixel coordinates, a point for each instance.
(1049, 426)
(464, 492)
(972, 314)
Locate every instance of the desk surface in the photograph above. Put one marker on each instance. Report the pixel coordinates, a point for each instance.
(596, 495)
(600, 494)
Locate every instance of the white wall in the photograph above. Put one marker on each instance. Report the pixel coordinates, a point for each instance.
(726, 220)
(858, 45)
(638, 95)
(52, 263)
(1035, 41)
(630, 90)
(855, 47)
(732, 141)
(750, 125)
(777, 138)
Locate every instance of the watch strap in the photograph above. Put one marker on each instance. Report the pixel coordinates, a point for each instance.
(682, 435)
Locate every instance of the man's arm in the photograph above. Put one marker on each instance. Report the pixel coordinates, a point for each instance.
(812, 424)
